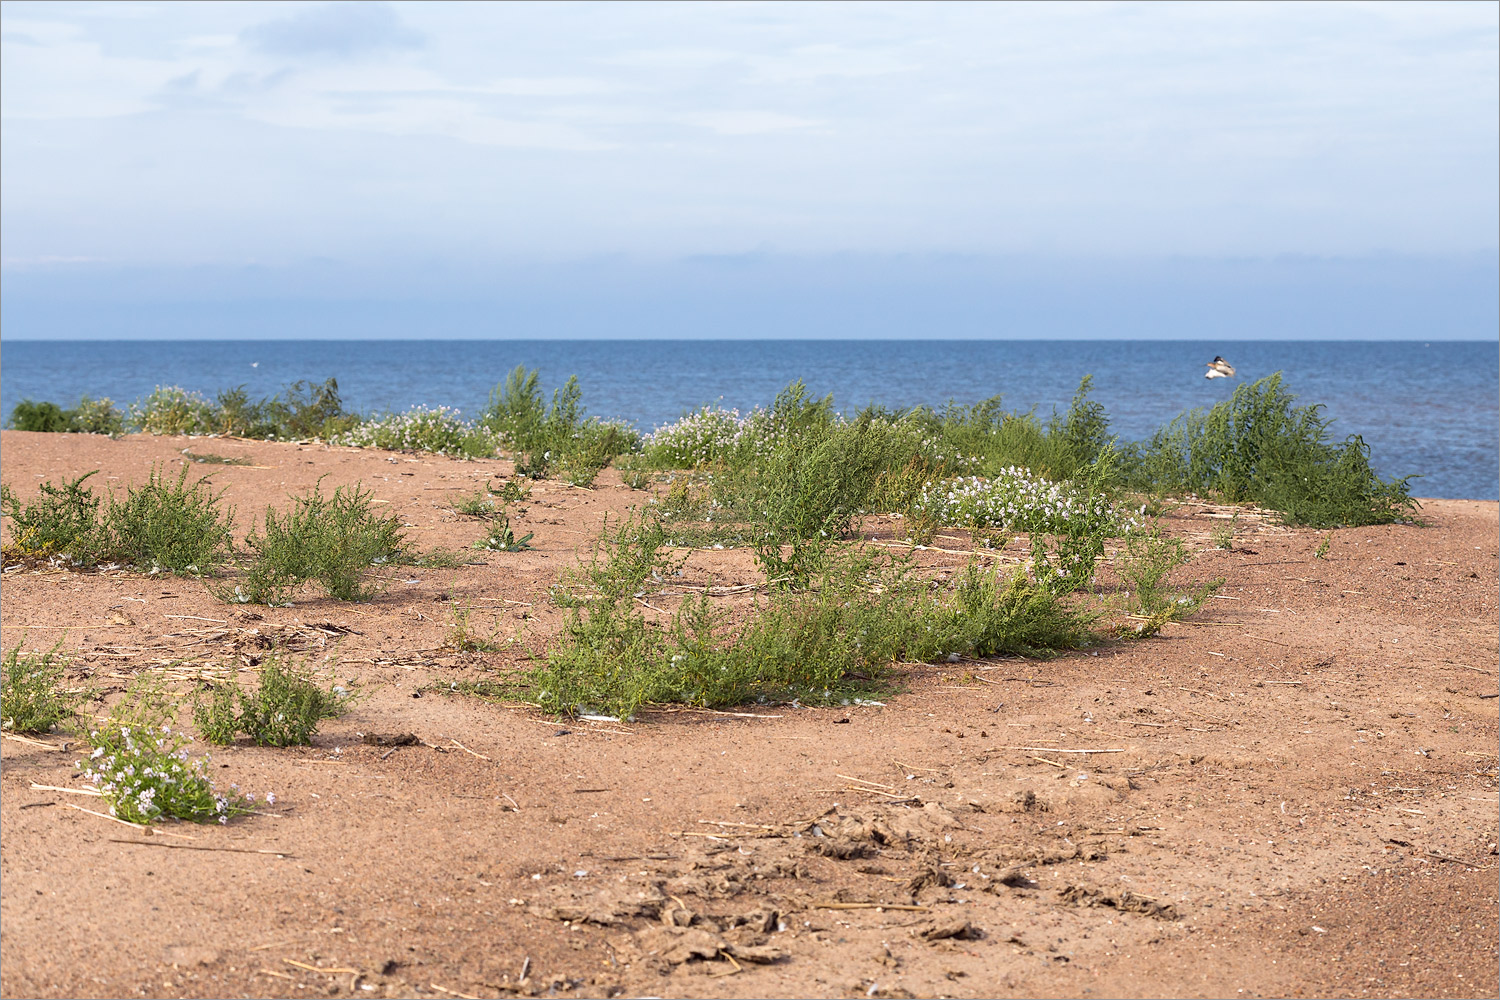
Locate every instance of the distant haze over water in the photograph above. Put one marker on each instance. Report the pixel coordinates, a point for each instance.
(1423, 408)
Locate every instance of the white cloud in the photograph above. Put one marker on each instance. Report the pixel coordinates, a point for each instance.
(748, 122)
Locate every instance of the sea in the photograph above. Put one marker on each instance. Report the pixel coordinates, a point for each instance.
(1425, 409)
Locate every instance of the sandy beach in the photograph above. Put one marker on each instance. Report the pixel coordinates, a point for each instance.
(1293, 793)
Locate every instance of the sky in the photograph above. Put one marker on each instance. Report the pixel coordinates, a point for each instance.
(749, 169)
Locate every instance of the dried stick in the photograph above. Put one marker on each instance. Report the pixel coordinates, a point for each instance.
(199, 847)
(314, 968)
(1057, 750)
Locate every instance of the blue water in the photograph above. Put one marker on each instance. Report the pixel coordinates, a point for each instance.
(1432, 409)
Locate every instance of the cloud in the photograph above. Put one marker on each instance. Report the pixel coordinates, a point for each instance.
(337, 29)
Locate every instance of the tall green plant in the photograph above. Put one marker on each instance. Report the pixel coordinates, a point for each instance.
(331, 540)
(1259, 447)
(170, 526)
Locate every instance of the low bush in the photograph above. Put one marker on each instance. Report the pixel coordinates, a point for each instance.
(1145, 563)
(1258, 447)
(60, 522)
(304, 410)
(995, 612)
(160, 526)
(166, 526)
(146, 774)
(173, 410)
(440, 430)
(704, 438)
(90, 416)
(836, 638)
(285, 709)
(560, 438)
(44, 417)
(331, 540)
(32, 699)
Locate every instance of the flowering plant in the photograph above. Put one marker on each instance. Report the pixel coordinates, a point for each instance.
(146, 774)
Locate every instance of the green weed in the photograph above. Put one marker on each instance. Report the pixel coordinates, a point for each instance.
(285, 709)
(167, 526)
(32, 699)
(1223, 534)
(60, 522)
(1258, 447)
(995, 612)
(479, 504)
(160, 526)
(1322, 550)
(333, 541)
(557, 438)
(502, 538)
(836, 638)
(462, 637)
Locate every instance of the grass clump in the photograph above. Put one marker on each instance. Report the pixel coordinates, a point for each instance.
(331, 540)
(1259, 447)
(285, 709)
(557, 439)
(32, 699)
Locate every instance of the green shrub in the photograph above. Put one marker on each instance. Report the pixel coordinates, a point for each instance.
(285, 709)
(1258, 447)
(834, 639)
(96, 416)
(169, 527)
(173, 410)
(160, 526)
(31, 700)
(997, 612)
(46, 418)
(90, 416)
(1143, 565)
(333, 541)
(61, 521)
(559, 437)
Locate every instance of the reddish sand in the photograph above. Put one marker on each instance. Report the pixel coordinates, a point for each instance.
(1303, 801)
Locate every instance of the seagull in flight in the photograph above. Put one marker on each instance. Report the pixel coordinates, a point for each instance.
(1219, 368)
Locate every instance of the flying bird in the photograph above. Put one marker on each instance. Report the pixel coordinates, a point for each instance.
(1219, 368)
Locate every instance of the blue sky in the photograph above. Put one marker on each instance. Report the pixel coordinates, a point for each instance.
(747, 169)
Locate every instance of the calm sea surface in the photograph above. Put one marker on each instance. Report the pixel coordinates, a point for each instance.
(1432, 409)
